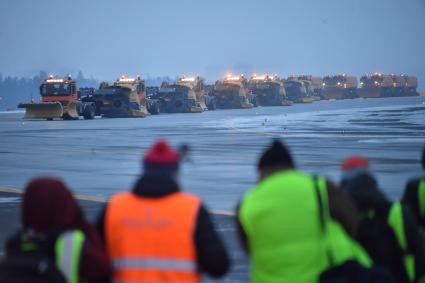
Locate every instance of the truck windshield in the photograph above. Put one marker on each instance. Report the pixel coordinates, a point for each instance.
(173, 92)
(55, 89)
(331, 81)
(371, 80)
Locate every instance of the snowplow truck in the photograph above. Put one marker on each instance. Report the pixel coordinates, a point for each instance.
(296, 91)
(59, 99)
(232, 93)
(115, 102)
(339, 87)
(314, 85)
(186, 95)
(411, 85)
(375, 85)
(404, 85)
(126, 98)
(268, 90)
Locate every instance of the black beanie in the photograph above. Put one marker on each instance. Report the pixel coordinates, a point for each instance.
(276, 155)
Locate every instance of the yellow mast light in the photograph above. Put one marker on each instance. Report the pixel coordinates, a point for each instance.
(54, 81)
(187, 79)
(123, 79)
(229, 77)
(260, 78)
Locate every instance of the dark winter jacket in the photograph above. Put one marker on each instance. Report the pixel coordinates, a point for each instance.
(410, 198)
(374, 232)
(49, 208)
(212, 257)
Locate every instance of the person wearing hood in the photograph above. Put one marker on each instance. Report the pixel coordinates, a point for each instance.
(387, 229)
(54, 224)
(414, 196)
(156, 232)
(296, 227)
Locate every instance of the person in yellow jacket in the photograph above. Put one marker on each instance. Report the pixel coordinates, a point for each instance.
(295, 226)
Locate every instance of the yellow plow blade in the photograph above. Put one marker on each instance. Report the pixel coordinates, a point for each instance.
(70, 111)
(42, 110)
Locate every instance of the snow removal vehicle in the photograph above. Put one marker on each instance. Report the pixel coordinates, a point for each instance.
(313, 85)
(232, 92)
(404, 85)
(339, 87)
(59, 99)
(375, 85)
(268, 90)
(296, 91)
(186, 95)
(126, 98)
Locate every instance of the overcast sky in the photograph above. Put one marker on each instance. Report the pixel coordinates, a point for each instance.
(211, 37)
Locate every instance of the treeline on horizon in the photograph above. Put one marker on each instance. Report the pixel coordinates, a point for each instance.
(14, 90)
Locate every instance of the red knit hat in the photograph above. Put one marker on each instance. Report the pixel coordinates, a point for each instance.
(354, 166)
(161, 159)
(355, 162)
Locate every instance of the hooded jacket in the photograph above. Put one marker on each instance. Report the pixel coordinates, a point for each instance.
(374, 232)
(48, 207)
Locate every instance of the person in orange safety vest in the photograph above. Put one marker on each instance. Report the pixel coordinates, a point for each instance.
(157, 233)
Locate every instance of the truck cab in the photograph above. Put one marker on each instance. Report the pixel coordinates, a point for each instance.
(61, 90)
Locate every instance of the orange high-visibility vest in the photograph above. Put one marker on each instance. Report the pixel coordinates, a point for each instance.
(152, 239)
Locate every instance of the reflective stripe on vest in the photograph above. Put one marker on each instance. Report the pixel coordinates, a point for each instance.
(152, 239)
(421, 198)
(155, 263)
(145, 281)
(396, 222)
(67, 253)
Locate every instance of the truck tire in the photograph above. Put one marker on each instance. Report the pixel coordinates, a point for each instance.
(154, 109)
(89, 112)
(212, 105)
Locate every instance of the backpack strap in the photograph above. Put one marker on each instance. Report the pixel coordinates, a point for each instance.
(319, 183)
(421, 197)
(68, 249)
(396, 222)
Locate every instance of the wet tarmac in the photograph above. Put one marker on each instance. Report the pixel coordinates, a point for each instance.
(103, 156)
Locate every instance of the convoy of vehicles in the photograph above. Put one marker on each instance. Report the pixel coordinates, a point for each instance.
(232, 92)
(268, 90)
(339, 87)
(129, 97)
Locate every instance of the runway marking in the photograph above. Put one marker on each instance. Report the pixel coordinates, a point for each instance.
(100, 199)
